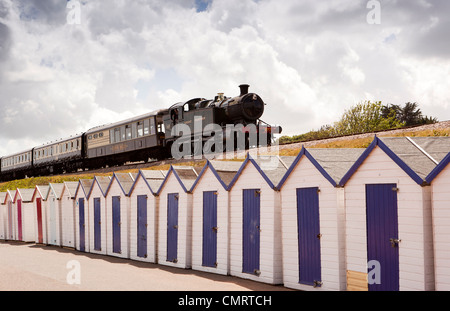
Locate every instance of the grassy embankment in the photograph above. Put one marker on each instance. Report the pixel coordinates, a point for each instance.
(347, 142)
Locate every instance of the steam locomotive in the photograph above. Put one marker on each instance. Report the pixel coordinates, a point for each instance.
(149, 136)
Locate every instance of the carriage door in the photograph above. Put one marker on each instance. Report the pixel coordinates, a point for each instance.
(19, 220)
(382, 235)
(142, 226)
(116, 224)
(172, 226)
(81, 224)
(251, 231)
(309, 262)
(39, 219)
(97, 225)
(209, 229)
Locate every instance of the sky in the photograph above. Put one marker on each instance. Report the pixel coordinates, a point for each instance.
(67, 66)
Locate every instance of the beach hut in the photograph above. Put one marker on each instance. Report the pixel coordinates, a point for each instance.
(210, 221)
(3, 216)
(389, 244)
(54, 214)
(25, 215)
(40, 207)
(82, 215)
(144, 215)
(118, 214)
(97, 214)
(67, 201)
(313, 219)
(440, 203)
(255, 219)
(175, 217)
(11, 215)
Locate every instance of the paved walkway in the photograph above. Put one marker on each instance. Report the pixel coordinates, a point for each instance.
(31, 267)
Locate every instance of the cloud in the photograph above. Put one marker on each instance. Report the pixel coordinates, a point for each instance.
(308, 60)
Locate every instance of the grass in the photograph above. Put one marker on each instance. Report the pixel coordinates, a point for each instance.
(347, 142)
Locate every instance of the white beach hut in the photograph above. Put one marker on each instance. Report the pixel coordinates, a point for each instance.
(144, 215)
(3, 216)
(175, 217)
(67, 200)
(389, 244)
(40, 207)
(440, 203)
(313, 219)
(118, 214)
(210, 221)
(82, 215)
(97, 214)
(10, 215)
(53, 214)
(255, 219)
(25, 215)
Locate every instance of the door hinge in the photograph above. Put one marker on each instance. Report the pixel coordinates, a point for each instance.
(257, 193)
(317, 284)
(319, 236)
(395, 189)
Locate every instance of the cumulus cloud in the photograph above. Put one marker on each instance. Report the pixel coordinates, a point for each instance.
(308, 60)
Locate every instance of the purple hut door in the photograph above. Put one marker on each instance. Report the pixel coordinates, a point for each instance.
(116, 224)
(82, 224)
(172, 226)
(19, 220)
(97, 225)
(209, 229)
(142, 226)
(251, 231)
(382, 235)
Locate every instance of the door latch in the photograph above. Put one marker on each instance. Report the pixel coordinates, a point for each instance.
(394, 242)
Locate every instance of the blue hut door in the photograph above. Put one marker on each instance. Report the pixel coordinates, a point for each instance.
(308, 223)
(97, 225)
(81, 224)
(382, 237)
(172, 226)
(251, 231)
(142, 226)
(116, 224)
(209, 229)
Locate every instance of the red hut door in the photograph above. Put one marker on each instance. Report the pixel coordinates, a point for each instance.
(39, 219)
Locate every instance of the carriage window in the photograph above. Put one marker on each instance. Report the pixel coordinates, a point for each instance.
(152, 126)
(140, 129)
(122, 133)
(100, 134)
(117, 134)
(133, 130)
(146, 127)
(111, 136)
(128, 131)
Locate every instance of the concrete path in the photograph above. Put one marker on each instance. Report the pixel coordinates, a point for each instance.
(31, 267)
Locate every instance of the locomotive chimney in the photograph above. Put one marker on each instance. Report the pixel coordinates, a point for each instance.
(244, 89)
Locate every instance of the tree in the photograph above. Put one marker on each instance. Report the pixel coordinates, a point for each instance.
(366, 117)
(410, 114)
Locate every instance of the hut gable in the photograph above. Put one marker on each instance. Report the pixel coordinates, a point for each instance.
(102, 182)
(186, 176)
(404, 152)
(124, 180)
(26, 195)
